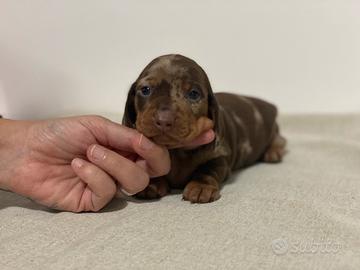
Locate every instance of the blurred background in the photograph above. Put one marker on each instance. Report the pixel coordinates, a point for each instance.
(79, 57)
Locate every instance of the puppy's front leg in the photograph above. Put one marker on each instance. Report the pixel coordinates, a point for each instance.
(204, 186)
(157, 188)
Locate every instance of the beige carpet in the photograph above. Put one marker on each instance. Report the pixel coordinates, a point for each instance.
(301, 214)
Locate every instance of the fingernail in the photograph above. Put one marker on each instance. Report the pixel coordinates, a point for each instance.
(78, 163)
(125, 192)
(145, 143)
(97, 153)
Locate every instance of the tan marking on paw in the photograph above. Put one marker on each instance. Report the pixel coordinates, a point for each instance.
(276, 150)
(196, 192)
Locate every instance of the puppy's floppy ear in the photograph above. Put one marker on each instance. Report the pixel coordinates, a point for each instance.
(129, 118)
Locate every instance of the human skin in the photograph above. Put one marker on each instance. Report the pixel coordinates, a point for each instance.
(78, 163)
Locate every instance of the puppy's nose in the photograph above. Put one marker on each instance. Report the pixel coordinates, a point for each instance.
(164, 119)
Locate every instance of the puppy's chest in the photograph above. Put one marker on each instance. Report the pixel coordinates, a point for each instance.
(182, 166)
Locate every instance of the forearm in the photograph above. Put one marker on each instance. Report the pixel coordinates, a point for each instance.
(12, 139)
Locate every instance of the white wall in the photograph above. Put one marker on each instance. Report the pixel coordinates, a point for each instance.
(63, 57)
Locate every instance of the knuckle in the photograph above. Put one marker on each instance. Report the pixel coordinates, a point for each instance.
(92, 120)
(88, 171)
(109, 192)
(98, 118)
(95, 123)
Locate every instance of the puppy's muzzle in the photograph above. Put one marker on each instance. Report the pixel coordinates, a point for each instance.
(164, 119)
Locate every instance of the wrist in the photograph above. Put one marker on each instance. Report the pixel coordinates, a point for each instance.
(13, 135)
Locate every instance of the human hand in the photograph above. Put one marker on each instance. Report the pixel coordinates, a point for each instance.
(76, 164)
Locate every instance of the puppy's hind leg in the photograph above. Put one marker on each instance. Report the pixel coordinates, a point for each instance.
(276, 149)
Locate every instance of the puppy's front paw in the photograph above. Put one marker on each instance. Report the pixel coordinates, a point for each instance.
(157, 188)
(197, 192)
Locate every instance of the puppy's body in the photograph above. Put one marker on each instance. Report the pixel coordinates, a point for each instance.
(172, 102)
(246, 127)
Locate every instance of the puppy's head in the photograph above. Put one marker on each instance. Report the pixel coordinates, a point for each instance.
(171, 102)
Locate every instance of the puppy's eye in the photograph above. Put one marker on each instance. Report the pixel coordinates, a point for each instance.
(145, 91)
(194, 95)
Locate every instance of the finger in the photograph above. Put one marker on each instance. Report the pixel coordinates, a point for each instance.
(204, 138)
(102, 185)
(109, 133)
(130, 177)
(156, 158)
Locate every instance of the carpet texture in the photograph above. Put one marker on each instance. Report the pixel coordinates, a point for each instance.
(301, 214)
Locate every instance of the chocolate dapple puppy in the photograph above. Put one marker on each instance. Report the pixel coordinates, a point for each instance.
(172, 102)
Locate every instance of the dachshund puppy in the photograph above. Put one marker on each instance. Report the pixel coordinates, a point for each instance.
(172, 102)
